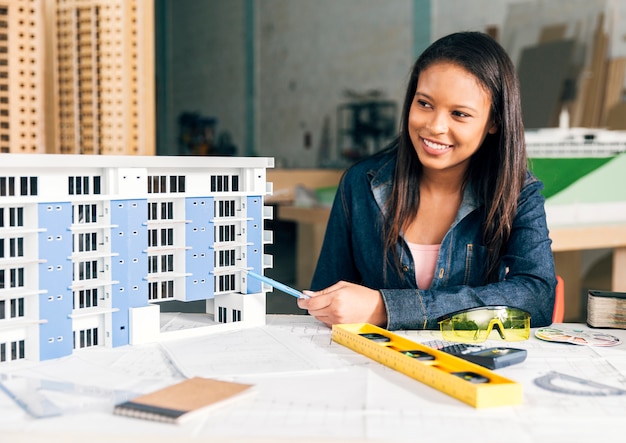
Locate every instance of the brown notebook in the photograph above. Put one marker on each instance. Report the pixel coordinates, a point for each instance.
(183, 400)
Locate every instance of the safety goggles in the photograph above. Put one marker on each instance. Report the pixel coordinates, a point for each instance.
(474, 325)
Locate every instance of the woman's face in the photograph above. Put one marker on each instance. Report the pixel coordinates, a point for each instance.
(449, 118)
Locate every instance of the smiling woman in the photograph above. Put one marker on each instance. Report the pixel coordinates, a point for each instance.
(448, 122)
(448, 217)
(451, 114)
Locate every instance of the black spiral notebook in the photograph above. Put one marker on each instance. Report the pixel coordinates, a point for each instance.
(183, 400)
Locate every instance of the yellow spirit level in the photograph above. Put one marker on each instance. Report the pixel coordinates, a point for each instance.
(471, 383)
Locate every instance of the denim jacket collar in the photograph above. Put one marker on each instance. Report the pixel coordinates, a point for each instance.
(381, 180)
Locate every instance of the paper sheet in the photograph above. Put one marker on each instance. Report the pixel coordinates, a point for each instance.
(310, 388)
(252, 351)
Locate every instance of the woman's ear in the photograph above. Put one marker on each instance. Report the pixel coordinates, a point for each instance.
(493, 129)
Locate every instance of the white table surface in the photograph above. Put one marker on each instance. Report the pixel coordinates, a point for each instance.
(310, 389)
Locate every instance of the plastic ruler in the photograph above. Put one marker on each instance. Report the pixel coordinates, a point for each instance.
(568, 384)
(468, 382)
(30, 395)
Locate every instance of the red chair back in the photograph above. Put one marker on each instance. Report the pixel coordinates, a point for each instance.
(559, 301)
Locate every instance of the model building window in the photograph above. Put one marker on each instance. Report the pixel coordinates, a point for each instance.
(224, 183)
(167, 237)
(167, 289)
(177, 183)
(16, 349)
(86, 298)
(16, 217)
(225, 283)
(153, 211)
(7, 186)
(84, 213)
(78, 185)
(236, 315)
(225, 233)
(225, 257)
(15, 247)
(153, 264)
(15, 308)
(28, 185)
(222, 314)
(161, 290)
(225, 208)
(85, 242)
(15, 278)
(167, 263)
(161, 211)
(219, 183)
(154, 184)
(87, 270)
(86, 338)
(157, 184)
(153, 288)
(167, 210)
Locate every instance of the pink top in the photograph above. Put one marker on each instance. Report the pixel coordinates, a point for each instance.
(425, 258)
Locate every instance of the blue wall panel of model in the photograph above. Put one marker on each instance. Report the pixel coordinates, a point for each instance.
(55, 276)
(254, 231)
(129, 240)
(199, 260)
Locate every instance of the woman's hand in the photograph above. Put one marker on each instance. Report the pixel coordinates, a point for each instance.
(346, 302)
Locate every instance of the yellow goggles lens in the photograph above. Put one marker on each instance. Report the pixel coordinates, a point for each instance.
(476, 324)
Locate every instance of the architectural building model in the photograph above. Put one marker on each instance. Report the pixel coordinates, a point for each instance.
(90, 245)
(78, 75)
(103, 76)
(22, 91)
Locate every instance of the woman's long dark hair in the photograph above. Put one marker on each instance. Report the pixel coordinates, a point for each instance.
(496, 171)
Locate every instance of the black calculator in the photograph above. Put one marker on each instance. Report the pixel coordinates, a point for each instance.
(490, 357)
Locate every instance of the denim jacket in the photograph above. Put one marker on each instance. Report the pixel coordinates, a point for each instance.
(353, 251)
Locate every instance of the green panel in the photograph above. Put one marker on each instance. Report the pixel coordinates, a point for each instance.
(559, 173)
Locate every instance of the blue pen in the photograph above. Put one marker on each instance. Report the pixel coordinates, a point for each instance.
(273, 283)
